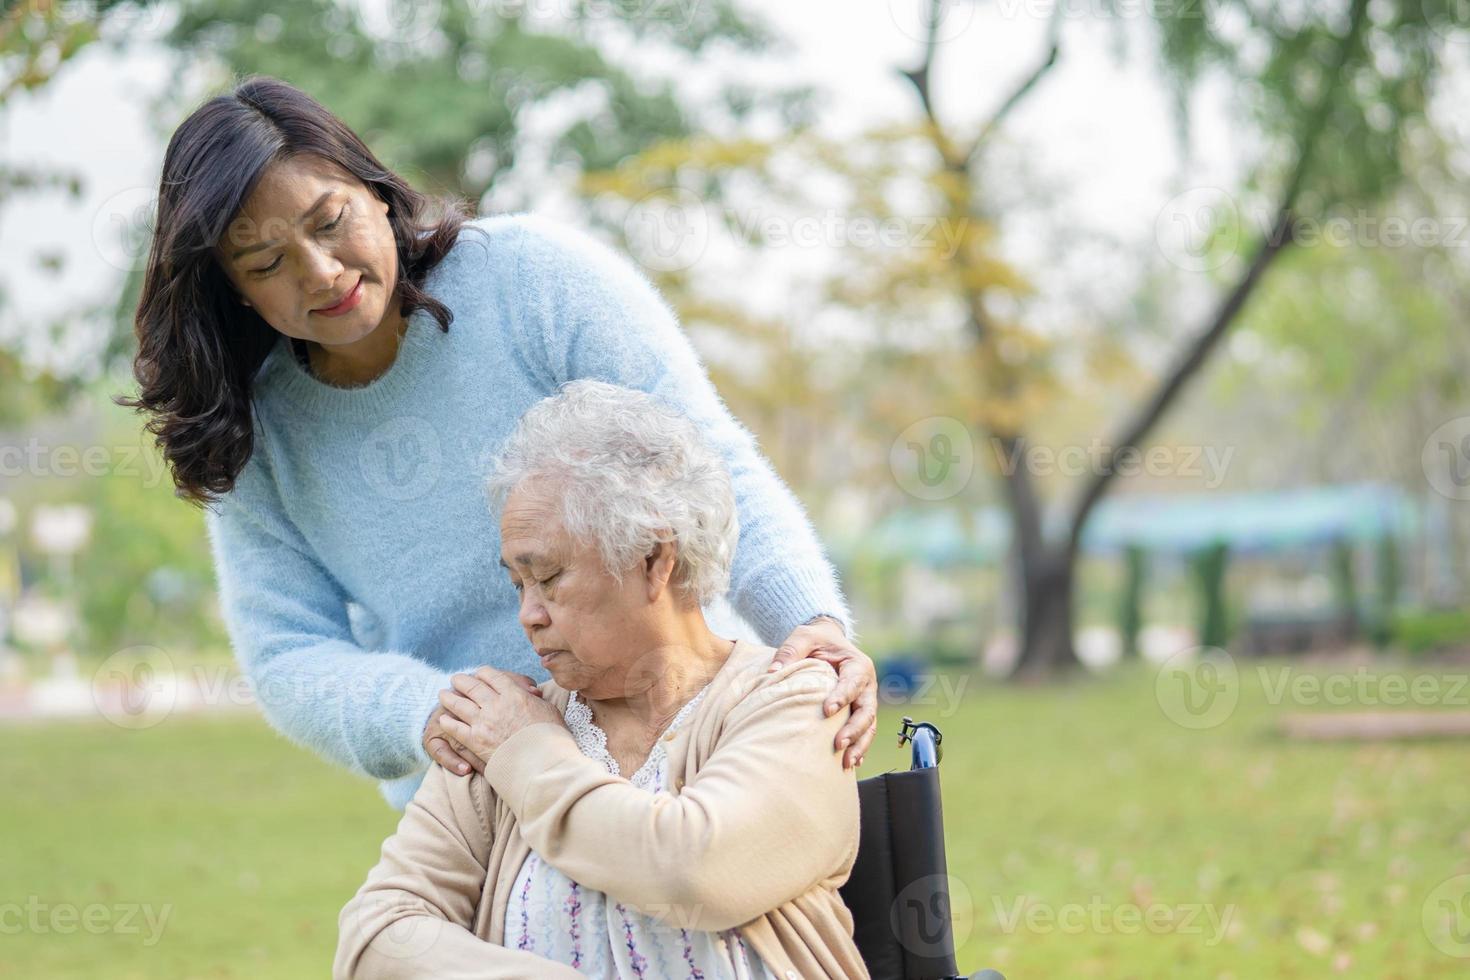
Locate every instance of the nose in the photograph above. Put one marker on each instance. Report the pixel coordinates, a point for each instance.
(320, 271)
(533, 611)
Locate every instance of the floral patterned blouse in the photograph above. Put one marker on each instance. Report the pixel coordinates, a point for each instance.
(552, 916)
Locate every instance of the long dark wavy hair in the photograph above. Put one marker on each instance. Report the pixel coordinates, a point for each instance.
(198, 347)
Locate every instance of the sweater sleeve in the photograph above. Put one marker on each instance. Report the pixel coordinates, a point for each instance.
(288, 622)
(587, 312)
(770, 815)
(412, 917)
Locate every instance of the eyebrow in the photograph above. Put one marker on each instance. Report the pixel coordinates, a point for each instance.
(525, 558)
(260, 245)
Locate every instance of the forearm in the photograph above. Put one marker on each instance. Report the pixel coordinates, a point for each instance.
(412, 916)
(389, 936)
(360, 710)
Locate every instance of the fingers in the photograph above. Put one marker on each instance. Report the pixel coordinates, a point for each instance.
(856, 687)
(469, 755)
(860, 730)
(477, 689)
(462, 708)
(455, 728)
(850, 685)
(516, 680)
(439, 750)
(857, 733)
(791, 650)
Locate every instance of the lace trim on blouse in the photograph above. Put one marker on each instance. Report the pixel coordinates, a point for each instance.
(592, 740)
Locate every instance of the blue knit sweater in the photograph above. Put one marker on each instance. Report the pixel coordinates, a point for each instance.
(357, 555)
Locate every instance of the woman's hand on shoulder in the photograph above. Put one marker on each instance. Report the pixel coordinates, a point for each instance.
(857, 682)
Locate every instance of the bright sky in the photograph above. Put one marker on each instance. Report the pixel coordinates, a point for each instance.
(1097, 133)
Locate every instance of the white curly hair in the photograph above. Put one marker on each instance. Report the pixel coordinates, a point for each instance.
(629, 472)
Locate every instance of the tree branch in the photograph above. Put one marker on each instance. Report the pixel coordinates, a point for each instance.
(919, 78)
(1054, 47)
(1277, 239)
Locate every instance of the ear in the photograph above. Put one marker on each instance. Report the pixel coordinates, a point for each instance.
(658, 568)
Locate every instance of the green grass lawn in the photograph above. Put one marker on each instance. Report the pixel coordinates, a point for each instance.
(1088, 835)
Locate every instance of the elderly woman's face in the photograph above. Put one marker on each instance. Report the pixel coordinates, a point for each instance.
(312, 251)
(584, 624)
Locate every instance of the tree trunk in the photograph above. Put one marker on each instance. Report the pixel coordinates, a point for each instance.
(1046, 633)
(1045, 572)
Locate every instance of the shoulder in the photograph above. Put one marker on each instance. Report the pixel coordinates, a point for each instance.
(571, 261)
(487, 243)
(531, 255)
(522, 235)
(747, 685)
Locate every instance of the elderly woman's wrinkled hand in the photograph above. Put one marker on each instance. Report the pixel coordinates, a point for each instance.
(484, 709)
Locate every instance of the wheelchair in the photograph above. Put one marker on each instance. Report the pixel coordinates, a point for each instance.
(898, 891)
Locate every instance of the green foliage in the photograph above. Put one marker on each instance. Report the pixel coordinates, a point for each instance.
(1130, 600)
(1431, 630)
(1209, 570)
(1390, 579)
(1344, 582)
(145, 577)
(1280, 58)
(439, 91)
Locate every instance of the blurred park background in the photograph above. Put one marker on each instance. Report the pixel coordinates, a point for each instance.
(1117, 349)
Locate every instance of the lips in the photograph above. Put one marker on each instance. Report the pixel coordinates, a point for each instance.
(349, 300)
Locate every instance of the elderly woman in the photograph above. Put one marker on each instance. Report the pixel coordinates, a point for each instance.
(669, 803)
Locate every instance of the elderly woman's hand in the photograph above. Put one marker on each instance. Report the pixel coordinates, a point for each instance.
(857, 682)
(486, 708)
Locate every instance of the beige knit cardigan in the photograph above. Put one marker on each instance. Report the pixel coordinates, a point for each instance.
(758, 833)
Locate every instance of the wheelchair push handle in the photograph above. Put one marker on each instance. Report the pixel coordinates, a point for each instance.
(927, 741)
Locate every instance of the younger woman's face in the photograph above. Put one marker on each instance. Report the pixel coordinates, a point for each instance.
(309, 237)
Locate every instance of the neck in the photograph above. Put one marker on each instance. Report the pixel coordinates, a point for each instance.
(362, 360)
(676, 666)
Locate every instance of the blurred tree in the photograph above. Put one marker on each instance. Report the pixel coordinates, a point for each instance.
(38, 39)
(441, 88)
(1210, 565)
(1130, 601)
(1335, 94)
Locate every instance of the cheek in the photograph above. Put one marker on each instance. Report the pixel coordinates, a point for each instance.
(276, 303)
(372, 241)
